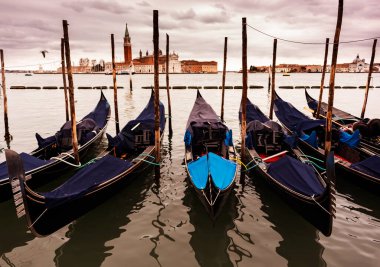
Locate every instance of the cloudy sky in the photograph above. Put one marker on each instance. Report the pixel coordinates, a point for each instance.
(197, 29)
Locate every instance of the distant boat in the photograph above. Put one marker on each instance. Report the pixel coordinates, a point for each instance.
(285, 74)
(28, 74)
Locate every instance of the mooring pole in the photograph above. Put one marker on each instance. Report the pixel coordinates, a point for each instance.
(245, 85)
(273, 79)
(130, 78)
(114, 84)
(167, 86)
(64, 78)
(157, 114)
(224, 77)
(369, 78)
(323, 78)
(269, 83)
(71, 91)
(332, 80)
(7, 136)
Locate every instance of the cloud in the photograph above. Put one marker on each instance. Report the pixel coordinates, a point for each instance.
(113, 7)
(189, 14)
(143, 3)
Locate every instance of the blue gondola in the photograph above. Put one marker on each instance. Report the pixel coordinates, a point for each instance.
(285, 168)
(209, 156)
(49, 159)
(359, 165)
(129, 153)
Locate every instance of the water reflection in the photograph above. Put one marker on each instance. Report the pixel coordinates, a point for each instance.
(300, 246)
(209, 240)
(13, 232)
(89, 234)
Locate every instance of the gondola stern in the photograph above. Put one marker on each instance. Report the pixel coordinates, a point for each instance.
(17, 179)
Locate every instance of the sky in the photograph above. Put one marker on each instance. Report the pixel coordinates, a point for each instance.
(196, 28)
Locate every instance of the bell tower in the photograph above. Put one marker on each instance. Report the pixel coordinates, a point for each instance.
(127, 47)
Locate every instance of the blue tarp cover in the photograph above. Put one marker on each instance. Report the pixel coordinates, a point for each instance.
(352, 140)
(28, 161)
(296, 175)
(198, 170)
(370, 166)
(293, 118)
(85, 179)
(253, 113)
(222, 171)
(310, 139)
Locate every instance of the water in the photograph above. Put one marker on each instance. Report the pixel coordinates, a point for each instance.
(165, 225)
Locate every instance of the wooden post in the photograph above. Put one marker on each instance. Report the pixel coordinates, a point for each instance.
(323, 78)
(114, 84)
(157, 114)
(64, 78)
(7, 136)
(167, 85)
(269, 83)
(369, 78)
(332, 80)
(273, 79)
(71, 91)
(245, 85)
(224, 77)
(130, 79)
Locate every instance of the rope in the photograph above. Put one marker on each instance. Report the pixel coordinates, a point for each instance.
(329, 213)
(39, 217)
(31, 65)
(307, 156)
(68, 163)
(206, 197)
(147, 161)
(309, 43)
(215, 198)
(316, 165)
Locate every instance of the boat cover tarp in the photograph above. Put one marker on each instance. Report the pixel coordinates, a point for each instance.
(198, 170)
(125, 140)
(292, 118)
(86, 128)
(86, 179)
(370, 166)
(253, 113)
(202, 116)
(29, 163)
(337, 113)
(296, 175)
(310, 139)
(222, 171)
(352, 140)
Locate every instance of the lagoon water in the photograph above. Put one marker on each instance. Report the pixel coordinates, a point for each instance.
(147, 224)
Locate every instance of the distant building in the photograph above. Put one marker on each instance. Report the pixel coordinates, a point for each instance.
(358, 65)
(344, 67)
(145, 64)
(193, 66)
(288, 68)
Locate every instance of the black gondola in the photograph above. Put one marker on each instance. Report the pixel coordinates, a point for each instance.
(305, 187)
(369, 129)
(360, 165)
(54, 154)
(209, 156)
(129, 153)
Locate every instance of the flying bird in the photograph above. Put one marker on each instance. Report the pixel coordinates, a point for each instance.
(43, 52)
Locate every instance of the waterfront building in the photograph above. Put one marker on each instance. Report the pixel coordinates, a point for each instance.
(194, 66)
(358, 65)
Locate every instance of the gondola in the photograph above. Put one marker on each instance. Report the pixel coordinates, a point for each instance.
(128, 154)
(352, 162)
(54, 154)
(305, 187)
(369, 129)
(209, 156)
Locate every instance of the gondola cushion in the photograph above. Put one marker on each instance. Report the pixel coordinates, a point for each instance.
(222, 171)
(352, 140)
